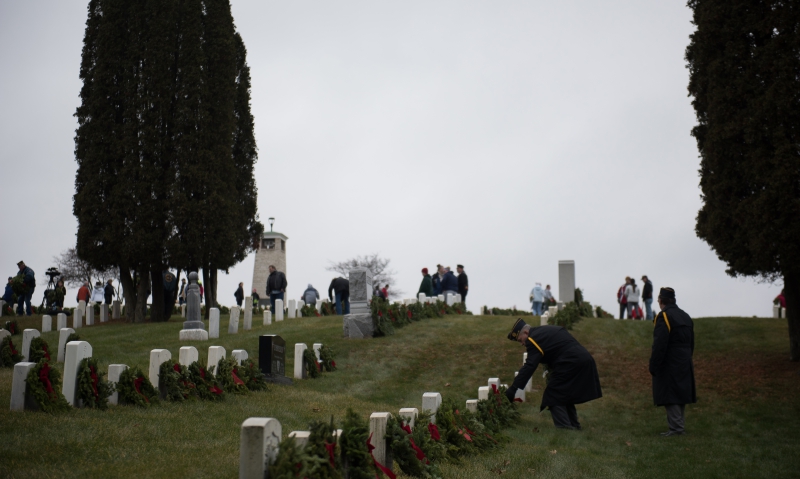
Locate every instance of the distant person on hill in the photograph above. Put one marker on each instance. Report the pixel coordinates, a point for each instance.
(83, 293)
(98, 293)
(671, 361)
(29, 280)
(436, 280)
(537, 298)
(622, 299)
(339, 291)
(449, 282)
(426, 286)
(256, 298)
(549, 300)
(385, 292)
(61, 293)
(376, 291)
(572, 377)
(463, 283)
(182, 293)
(311, 295)
(781, 299)
(108, 291)
(8, 295)
(239, 294)
(647, 297)
(276, 286)
(632, 293)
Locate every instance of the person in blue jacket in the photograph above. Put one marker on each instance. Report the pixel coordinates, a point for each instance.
(449, 282)
(9, 293)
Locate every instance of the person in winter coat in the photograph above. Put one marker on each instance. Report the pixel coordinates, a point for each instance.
(83, 293)
(108, 292)
(427, 285)
(29, 280)
(276, 286)
(8, 295)
(537, 298)
(632, 293)
(572, 377)
(647, 297)
(436, 280)
(311, 295)
(548, 298)
(239, 295)
(671, 361)
(256, 298)
(463, 283)
(449, 283)
(341, 288)
(622, 298)
(61, 293)
(98, 294)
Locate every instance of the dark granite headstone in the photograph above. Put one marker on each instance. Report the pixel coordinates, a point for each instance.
(272, 358)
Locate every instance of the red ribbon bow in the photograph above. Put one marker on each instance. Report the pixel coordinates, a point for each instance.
(409, 314)
(494, 388)
(434, 430)
(93, 374)
(137, 384)
(330, 447)
(420, 454)
(380, 466)
(11, 345)
(215, 390)
(46, 353)
(406, 428)
(333, 363)
(236, 379)
(44, 377)
(176, 367)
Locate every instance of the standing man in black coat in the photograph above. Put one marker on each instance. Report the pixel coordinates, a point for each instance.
(341, 288)
(276, 286)
(239, 294)
(463, 283)
(572, 378)
(671, 361)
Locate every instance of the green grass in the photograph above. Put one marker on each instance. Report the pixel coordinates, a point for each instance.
(744, 425)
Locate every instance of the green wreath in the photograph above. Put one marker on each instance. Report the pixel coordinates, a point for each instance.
(497, 412)
(328, 358)
(43, 384)
(291, 461)
(229, 379)
(310, 364)
(39, 350)
(9, 356)
(408, 455)
(355, 456)
(135, 388)
(72, 337)
(93, 390)
(206, 385)
(252, 376)
(381, 322)
(12, 327)
(174, 383)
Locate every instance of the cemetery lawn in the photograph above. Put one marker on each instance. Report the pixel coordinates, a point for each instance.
(745, 423)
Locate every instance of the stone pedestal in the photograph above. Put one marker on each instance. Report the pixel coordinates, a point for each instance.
(114, 371)
(76, 352)
(358, 326)
(193, 328)
(63, 334)
(27, 337)
(566, 281)
(193, 335)
(258, 446)
(47, 323)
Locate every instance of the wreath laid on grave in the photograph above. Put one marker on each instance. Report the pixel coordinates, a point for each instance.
(328, 309)
(43, 384)
(310, 364)
(227, 376)
(12, 327)
(174, 383)
(93, 390)
(39, 350)
(320, 460)
(328, 358)
(9, 356)
(206, 385)
(290, 461)
(497, 412)
(388, 316)
(252, 376)
(356, 458)
(72, 337)
(462, 430)
(134, 388)
(411, 459)
(308, 311)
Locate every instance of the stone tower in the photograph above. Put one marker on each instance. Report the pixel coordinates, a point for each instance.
(271, 251)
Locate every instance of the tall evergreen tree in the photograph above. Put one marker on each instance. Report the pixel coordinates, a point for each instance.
(744, 62)
(157, 182)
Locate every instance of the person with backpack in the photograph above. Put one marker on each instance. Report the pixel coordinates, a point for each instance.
(632, 293)
(622, 299)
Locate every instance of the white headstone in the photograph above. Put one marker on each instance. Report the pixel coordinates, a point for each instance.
(299, 370)
(90, 315)
(278, 310)
(431, 402)
(566, 282)
(560, 306)
(47, 323)
(82, 306)
(114, 371)
(239, 355)
(520, 394)
(300, 438)
(472, 405)
(233, 323)
(3, 334)
(248, 314)
(458, 297)
(77, 351)
(529, 386)
(187, 355)
(594, 311)
(377, 431)
(267, 318)
(543, 319)
(183, 310)
(61, 321)
(317, 347)
(422, 297)
(300, 305)
(552, 310)
(258, 446)
(116, 309)
(63, 334)
(213, 323)
(409, 415)
(215, 353)
(104, 313)
(440, 297)
(495, 381)
(319, 307)
(157, 357)
(77, 318)
(483, 392)
(292, 309)
(19, 386)
(27, 337)
(2, 307)
(783, 313)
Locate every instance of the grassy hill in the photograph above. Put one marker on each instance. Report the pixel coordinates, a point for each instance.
(744, 425)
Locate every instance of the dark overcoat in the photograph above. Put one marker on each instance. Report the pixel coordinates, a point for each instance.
(671, 359)
(573, 377)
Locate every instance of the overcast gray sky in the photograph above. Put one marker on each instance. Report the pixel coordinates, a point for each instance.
(501, 135)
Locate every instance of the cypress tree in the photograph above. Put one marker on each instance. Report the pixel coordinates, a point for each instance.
(744, 59)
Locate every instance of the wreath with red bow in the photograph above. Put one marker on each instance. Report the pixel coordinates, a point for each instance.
(9, 355)
(93, 389)
(43, 384)
(136, 389)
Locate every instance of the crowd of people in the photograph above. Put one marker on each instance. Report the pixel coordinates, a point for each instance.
(629, 296)
(445, 282)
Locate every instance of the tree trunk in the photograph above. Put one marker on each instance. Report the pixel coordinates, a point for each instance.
(141, 294)
(214, 274)
(791, 291)
(157, 287)
(206, 291)
(129, 291)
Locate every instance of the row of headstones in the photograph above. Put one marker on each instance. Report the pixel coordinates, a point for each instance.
(778, 311)
(450, 299)
(260, 436)
(247, 324)
(77, 316)
(293, 310)
(29, 334)
(77, 351)
(84, 312)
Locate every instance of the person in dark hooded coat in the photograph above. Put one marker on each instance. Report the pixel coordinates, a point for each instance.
(671, 361)
(572, 378)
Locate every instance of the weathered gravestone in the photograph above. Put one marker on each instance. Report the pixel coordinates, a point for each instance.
(63, 334)
(116, 309)
(377, 432)
(76, 352)
(187, 355)
(61, 321)
(20, 399)
(272, 358)
(77, 318)
(299, 370)
(267, 317)
(193, 327)
(27, 337)
(90, 315)
(358, 324)
(233, 320)
(114, 371)
(292, 310)
(278, 310)
(215, 353)
(431, 403)
(213, 323)
(104, 313)
(248, 314)
(258, 446)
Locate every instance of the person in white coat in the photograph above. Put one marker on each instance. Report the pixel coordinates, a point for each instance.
(537, 298)
(632, 293)
(98, 293)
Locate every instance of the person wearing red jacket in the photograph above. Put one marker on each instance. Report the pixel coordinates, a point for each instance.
(83, 293)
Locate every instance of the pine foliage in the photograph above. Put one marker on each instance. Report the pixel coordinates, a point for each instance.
(93, 389)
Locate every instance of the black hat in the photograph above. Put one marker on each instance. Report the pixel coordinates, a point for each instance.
(516, 329)
(667, 293)
(21, 263)
(460, 266)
